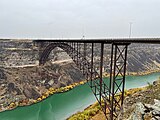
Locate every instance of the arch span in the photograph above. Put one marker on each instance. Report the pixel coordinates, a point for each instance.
(45, 54)
(78, 58)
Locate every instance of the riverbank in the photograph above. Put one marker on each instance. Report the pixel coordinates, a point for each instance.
(144, 94)
(25, 85)
(136, 73)
(94, 111)
(143, 73)
(49, 92)
(45, 95)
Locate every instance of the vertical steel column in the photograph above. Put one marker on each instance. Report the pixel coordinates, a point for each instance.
(101, 72)
(124, 73)
(74, 46)
(110, 82)
(40, 50)
(72, 50)
(80, 57)
(85, 50)
(92, 47)
(77, 61)
(84, 57)
(113, 81)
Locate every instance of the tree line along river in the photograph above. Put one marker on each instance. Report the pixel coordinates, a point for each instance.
(61, 106)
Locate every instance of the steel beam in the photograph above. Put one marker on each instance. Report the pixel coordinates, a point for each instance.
(106, 40)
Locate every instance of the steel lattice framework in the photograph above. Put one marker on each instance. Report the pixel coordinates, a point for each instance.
(109, 95)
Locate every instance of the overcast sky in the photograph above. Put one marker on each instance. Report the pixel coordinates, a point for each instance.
(75, 18)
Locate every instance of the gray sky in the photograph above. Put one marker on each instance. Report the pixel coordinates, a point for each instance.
(75, 18)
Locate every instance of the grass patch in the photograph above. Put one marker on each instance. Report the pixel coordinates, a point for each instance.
(87, 113)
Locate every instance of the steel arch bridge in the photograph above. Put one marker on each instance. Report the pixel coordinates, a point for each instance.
(109, 95)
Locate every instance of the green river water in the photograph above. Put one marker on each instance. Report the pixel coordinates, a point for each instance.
(61, 106)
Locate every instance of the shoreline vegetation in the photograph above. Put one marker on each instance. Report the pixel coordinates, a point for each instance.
(45, 95)
(95, 108)
(51, 91)
(143, 73)
(136, 73)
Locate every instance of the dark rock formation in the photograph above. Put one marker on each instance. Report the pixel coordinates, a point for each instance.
(31, 93)
(2, 74)
(11, 87)
(146, 111)
(143, 104)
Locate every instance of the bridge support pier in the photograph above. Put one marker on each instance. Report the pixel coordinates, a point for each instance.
(117, 77)
(110, 97)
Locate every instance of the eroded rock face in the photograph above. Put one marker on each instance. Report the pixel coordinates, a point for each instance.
(31, 82)
(142, 104)
(11, 87)
(31, 93)
(74, 74)
(2, 75)
(146, 111)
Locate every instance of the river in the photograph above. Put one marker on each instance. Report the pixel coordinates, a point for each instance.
(60, 106)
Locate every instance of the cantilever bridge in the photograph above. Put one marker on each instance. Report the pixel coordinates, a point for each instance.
(109, 95)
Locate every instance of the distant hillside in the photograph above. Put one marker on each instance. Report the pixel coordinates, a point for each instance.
(141, 57)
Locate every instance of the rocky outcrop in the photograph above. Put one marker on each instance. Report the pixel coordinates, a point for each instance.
(12, 88)
(2, 75)
(31, 93)
(146, 111)
(142, 105)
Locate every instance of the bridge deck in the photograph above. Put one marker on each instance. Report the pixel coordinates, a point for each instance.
(107, 41)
